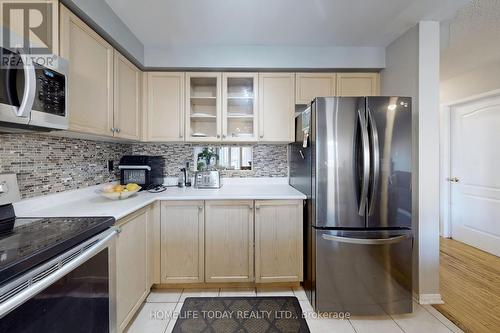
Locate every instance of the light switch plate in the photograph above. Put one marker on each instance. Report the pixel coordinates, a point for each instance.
(9, 189)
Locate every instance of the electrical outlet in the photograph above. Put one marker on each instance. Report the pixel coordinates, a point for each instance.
(9, 190)
(111, 166)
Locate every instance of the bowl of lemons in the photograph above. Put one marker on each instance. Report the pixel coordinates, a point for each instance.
(119, 192)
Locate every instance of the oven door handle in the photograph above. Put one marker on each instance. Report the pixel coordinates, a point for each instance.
(23, 296)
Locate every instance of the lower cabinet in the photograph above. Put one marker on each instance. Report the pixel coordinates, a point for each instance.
(182, 241)
(132, 285)
(229, 241)
(278, 241)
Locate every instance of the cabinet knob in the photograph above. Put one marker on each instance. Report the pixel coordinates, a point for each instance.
(113, 129)
(117, 130)
(257, 206)
(223, 136)
(261, 136)
(200, 208)
(218, 136)
(180, 136)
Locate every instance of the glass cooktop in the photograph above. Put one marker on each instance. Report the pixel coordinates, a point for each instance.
(35, 240)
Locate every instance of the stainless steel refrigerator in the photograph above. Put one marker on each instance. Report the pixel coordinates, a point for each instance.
(352, 158)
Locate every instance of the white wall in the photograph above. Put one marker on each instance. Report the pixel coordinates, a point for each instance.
(243, 56)
(478, 81)
(412, 69)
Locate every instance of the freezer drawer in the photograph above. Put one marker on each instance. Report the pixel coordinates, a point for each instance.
(364, 272)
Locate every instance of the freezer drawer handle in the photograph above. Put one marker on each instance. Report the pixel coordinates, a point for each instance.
(364, 241)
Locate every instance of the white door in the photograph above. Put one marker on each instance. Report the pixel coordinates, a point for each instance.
(475, 176)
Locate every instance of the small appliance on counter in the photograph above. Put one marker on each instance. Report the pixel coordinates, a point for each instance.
(207, 179)
(143, 170)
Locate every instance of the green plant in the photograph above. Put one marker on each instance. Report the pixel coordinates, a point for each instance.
(207, 154)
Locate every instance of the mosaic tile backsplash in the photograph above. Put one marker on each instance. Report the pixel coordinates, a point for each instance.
(48, 164)
(268, 160)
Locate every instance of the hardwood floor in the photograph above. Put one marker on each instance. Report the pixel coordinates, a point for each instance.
(470, 287)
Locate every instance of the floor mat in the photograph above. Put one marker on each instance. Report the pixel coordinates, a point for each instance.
(241, 314)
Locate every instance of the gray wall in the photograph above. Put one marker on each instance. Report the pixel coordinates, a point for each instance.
(412, 69)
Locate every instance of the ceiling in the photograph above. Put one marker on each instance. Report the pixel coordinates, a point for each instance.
(297, 23)
(472, 39)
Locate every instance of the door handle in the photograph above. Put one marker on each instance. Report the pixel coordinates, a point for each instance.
(366, 163)
(376, 160)
(453, 180)
(364, 241)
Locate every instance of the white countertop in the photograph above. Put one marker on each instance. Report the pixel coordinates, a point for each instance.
(87, 202)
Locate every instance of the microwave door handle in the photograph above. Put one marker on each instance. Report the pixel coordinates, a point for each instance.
(29, 87)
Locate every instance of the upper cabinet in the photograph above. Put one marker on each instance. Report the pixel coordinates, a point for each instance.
(164, 115)
(90, 58)
(203, 106)
(239, 107)
(127, 99)
(276, 107)
(358, 84)
(311, 85)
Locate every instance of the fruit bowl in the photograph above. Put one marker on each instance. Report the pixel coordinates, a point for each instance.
(115, 193)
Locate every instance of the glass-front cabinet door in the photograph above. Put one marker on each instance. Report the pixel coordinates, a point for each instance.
(203, 106)
(239, 107)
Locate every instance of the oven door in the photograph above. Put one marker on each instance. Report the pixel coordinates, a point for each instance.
(77, 297)
(17, 87)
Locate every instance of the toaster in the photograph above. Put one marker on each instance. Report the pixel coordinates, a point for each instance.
(207, 179)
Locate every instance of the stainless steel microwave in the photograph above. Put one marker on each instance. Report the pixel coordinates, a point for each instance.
(33, 92)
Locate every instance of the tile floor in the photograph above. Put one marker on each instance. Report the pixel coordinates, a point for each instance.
(158, 314)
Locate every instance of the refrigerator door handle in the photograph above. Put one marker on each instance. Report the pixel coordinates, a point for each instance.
(366, 162)
(365, 241)
(375, 150)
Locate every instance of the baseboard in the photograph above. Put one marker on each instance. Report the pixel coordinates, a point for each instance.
(430, 299)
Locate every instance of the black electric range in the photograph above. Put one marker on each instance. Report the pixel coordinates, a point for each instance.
(33, 241)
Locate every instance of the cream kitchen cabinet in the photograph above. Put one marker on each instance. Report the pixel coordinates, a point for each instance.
(164, 107)
(229, 248)
(239, 107)
(182, 241)
(132, 285)
(203, 106)
(154, 244)
(127, 99)
(90, 57)
(278, 241)
(311, 85)
(276, 107)
(358, 84)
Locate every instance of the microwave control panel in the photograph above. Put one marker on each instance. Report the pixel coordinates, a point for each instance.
(50, 91)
